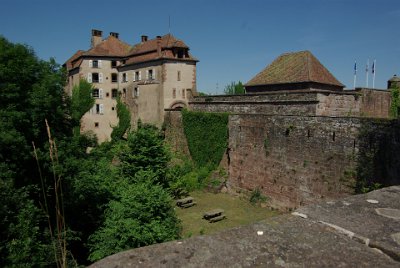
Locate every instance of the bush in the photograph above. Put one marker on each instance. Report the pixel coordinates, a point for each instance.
(142, 216)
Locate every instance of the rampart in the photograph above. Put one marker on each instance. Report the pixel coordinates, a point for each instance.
(361, 102)
(294, 160)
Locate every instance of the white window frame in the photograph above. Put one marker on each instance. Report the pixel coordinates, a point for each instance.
(89, 78)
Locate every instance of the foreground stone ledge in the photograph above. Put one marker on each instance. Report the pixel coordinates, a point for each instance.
(344, 233)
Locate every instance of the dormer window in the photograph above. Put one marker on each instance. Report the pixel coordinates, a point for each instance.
(113, 63)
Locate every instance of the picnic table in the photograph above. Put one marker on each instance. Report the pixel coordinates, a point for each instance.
(185, 202)
(214, 215)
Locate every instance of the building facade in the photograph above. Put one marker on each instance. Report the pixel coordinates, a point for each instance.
(150, 77)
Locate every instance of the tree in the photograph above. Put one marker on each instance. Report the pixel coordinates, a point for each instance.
(124, 121)
(234, 88)
(31, 90)
(81, 102)
(143, 215)
(144, 150)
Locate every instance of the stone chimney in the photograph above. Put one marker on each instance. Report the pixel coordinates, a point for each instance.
(96, 37)
(144, 38)
(116, 35)
(159, 46)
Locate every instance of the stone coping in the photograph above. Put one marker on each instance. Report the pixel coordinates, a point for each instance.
(358, 231)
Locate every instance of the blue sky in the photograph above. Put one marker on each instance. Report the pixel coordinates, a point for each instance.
(233, 40)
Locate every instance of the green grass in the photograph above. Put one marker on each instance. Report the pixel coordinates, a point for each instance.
(238, 211)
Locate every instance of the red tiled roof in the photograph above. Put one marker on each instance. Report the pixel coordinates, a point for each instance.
(145, 51)
(69, 63)
(294, 67)
(111, 46)
(167, 41)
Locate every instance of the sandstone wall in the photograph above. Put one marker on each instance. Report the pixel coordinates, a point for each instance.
(375, 103)
(293, 160)
(288, 103)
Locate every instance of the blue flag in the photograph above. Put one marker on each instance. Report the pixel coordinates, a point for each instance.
(355, 68)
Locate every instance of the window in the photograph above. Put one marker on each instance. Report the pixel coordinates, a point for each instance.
(95, 63)
(113, 63)
(97, 93)
(95, 78)
(183, 93)
(124, 93)
(135, 92)
(96, 124)
(114, 78)
(137, 76)
(114, 93)
(150, 74)
(124, 79)
(179, 75)
(174, 93)
(99, 108)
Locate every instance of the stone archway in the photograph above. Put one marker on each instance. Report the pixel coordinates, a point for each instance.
(178, 105)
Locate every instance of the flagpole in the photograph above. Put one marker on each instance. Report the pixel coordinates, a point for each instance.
(355, 74)
(366, 70)
(373, 72)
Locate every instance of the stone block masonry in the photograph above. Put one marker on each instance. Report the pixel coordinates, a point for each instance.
(294, 160)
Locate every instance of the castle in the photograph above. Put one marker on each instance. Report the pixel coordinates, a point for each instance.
(150, 77)
(296, 134)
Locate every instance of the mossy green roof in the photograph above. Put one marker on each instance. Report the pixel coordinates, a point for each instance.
(295, 67)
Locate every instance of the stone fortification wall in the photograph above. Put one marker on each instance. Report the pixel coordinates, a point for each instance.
(293, 160)
(374, 103)
(288, 103)
(338, 104)
(360, 103)
(174, 134)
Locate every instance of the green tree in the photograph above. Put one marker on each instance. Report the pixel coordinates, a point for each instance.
(145, 150)
(143, 215)
(81, 102)
(124, 121)
(234, 88)
(31, 90)
(395, 102)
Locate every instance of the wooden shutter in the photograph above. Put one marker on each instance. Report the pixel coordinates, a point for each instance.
(89, 77)
(140, 75)
(147, 74)
(101, 108)
(90, 64)
(100, 77)
(100, 93)
(154, 74)
(99, 63)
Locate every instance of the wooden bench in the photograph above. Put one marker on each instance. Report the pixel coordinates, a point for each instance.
(214, 215)
(185, 202)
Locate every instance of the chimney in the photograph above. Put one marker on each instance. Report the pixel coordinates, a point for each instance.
(116, 35)
(144, 38)
(96, 37)
(159, 46)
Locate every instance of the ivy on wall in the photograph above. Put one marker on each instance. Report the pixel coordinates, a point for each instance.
(395, 103)
(207, 136)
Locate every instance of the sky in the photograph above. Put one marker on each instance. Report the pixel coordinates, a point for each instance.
(232, 39)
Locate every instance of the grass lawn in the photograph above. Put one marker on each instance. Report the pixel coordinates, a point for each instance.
(238, 212)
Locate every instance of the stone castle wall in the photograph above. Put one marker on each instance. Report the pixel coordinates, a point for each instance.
(349, 103)
(294, 160)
